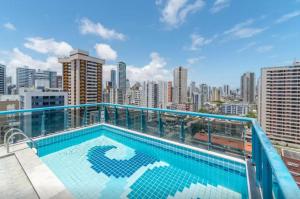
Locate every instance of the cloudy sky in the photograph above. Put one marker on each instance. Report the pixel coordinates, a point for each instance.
(217, 40)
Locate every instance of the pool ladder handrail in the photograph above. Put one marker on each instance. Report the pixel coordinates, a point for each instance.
(19, 132)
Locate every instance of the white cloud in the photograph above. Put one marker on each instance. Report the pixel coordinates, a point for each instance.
(264, 49)
(9, 26)
(48, 46)
(194, 60)
(89, 27)
(175, 11)
(155, 70)
(243, 30)
(247, 47)
(288, 16)
(220, 5)
(104, 51)
(198, 41)
(16, 58)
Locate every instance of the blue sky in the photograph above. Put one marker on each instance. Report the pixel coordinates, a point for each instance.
(217, 40)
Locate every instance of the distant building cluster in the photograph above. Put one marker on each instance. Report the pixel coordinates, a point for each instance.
(274, 97)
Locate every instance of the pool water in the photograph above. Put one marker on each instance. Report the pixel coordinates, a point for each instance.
(105, 164)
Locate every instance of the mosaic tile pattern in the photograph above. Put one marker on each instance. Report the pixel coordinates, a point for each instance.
(97, 161)
(117, 168)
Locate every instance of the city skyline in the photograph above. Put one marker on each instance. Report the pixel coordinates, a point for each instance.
(247, 41)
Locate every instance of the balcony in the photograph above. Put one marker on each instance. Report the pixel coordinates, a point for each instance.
(210, 155)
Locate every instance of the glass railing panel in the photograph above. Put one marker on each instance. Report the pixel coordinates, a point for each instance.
(197, 132)
(121, 117)
(110, 114)
(7, 122)
(227, 136)
(54, 121)
(171, 126)
(135, 119)
(151, 123)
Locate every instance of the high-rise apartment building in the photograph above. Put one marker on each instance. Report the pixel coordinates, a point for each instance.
(82, 77)
(59, 81)
(121, 82)
(136, 94)
(215, 94)
(226, 90)
(279, 104)
(180, 85)
(170, 92)
(2, 79)
(113, 78)
(204, 91)
(150, 94)
(25, 77)
(162, 94)
(248, 87)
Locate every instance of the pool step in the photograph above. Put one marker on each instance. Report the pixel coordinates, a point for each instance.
(206, 192)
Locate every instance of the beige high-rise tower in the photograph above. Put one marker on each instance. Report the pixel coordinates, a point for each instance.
(279, 104)
(82, 77)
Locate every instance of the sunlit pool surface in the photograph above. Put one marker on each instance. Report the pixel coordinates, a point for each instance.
(108, 163)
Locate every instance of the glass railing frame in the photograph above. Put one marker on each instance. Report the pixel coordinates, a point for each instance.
(264, 156)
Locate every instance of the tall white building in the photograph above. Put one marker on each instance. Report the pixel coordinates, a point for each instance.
(279, 104)
(248, 88)
(82, 77)
(2, 79)
(180, 85)
(150, 94)
(162, 94)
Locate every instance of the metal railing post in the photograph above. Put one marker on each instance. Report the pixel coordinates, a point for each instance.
(127, 119)
(99, 113)
(143, 122)
(182, 134)
(160, 125)
(106, 116)
(266, 177)
(258, 160)
(244, 139)
(66, 119)
(253, 134)
(209, 133)
(116, 116)
(85, 116)
(43, 129)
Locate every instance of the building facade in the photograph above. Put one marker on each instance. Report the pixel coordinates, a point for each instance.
(180, 85)
(234, 109)
(279, 104)
(121, 82)
(113, 78)
(2, 79)
(150, 94)
(162, 94)
(25, 77)
(82, 77)
(248, 87)
(170, 92)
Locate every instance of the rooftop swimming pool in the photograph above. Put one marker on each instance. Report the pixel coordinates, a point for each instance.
(105, 162)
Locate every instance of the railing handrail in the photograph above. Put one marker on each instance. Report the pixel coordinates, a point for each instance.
(177, 112)
(288, 186)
